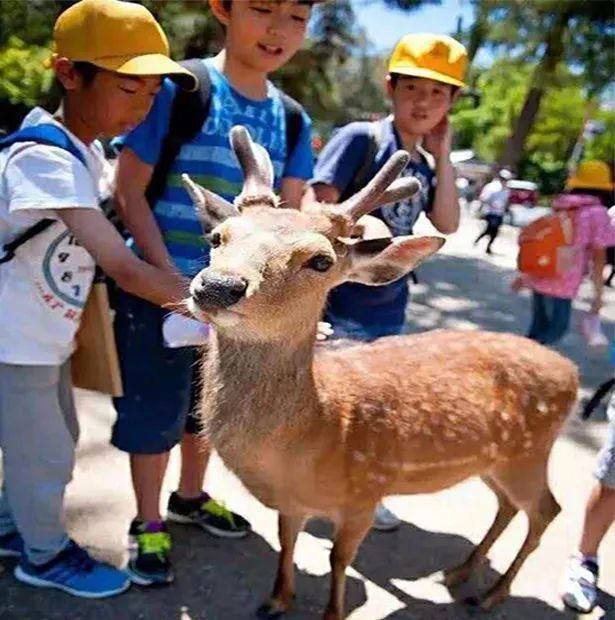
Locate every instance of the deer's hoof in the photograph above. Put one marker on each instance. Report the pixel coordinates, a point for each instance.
(271, 609)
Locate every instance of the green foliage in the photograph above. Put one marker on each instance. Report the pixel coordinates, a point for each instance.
(503, 88)
(23, 77)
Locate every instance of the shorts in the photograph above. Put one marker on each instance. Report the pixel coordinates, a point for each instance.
(605, 469)
(161, 384)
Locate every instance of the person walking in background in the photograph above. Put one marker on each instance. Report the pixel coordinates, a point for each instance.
(582, 206)
(494, 204)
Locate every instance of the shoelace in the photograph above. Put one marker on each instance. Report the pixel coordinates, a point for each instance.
(154, 543)
(218, 509)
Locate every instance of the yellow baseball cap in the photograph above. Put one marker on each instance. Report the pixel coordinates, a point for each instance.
(591, 174)
(434, 56)
(118, 36)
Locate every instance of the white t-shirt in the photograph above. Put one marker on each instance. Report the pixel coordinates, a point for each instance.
(43, 289)
(494, 196)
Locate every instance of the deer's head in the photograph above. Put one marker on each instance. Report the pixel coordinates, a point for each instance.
(271, 268)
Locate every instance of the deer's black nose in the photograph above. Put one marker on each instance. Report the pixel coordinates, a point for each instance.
(220, 291)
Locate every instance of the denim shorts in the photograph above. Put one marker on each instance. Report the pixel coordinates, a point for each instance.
(605, 469)
(160, 384)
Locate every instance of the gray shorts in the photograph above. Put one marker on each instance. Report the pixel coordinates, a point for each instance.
(605, 470)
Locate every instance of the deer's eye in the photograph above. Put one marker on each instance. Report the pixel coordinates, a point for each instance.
(320, 262)
(215, 239)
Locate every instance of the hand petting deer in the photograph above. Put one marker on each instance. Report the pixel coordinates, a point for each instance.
(329, 433)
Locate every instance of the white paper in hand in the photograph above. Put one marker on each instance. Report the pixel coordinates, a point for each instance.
(181, 331)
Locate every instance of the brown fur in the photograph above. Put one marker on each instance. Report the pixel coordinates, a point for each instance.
(331, 433)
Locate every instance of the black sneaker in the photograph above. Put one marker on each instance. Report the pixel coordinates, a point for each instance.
(149, 547)
(209, 514)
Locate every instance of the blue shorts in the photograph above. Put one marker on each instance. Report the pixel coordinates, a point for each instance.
(160, 386)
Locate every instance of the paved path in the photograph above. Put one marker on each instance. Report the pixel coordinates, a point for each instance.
(395, 575)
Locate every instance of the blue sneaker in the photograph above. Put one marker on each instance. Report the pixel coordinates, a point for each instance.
(74, 571)
(11, 545)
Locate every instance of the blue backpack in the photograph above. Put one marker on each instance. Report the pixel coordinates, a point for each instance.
(50, 135)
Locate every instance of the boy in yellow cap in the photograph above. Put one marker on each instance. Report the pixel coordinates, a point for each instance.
(109, 59)
(426, 72)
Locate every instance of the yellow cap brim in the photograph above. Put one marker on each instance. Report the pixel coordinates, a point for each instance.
(150, 64)
(427, 73)
(575, 183)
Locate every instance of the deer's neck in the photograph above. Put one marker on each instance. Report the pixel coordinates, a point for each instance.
(251, 389)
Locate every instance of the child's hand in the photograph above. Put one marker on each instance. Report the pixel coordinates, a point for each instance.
(323, 331)
(596, 305)
(438, 141)
(517, 284)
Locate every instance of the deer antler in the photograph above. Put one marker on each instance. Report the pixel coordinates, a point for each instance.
(255, 163)
(369, 197)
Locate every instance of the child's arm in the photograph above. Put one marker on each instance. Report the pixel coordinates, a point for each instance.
(102, 241)
(444, 214)
(133, 177)
(299, 167)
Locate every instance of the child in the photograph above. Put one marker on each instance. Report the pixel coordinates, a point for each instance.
(153, 415)
(593, 231)
(426, 72)
(109, 56)
(581, 586)
(494, 203)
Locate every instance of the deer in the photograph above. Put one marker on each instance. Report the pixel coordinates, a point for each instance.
(313, 431)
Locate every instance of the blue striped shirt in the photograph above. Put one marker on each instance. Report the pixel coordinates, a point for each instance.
(210, 161)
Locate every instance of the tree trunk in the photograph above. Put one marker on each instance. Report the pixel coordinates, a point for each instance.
(478, 29)
(554, 51)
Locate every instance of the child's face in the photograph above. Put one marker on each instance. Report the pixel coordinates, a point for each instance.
(111, 104)
(419, 104)
(265, 34)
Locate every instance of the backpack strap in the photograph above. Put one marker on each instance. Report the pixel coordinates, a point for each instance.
(188, 113)
(294, 123)
(374, 141)
(49, 135)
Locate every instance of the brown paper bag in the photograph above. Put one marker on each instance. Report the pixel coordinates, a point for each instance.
(95, 364)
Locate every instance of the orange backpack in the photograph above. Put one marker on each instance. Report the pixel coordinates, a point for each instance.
(545, 245)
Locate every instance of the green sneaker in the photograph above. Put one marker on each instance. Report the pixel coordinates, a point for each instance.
(149, 548)
(204, 511)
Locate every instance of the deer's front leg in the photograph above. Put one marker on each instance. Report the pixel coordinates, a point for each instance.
(348, 537)
(284, 589)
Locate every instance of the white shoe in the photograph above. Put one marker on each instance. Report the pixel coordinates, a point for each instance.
(581, 588)
(385, 520)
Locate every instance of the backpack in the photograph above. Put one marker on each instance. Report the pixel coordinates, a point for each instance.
(188, 113)
(361, 176)
(545, 245)
(50, 135)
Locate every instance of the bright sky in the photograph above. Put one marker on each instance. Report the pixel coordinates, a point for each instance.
(384, 26)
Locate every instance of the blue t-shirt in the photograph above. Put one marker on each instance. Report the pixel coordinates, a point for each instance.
(210, 161)
(356, 310)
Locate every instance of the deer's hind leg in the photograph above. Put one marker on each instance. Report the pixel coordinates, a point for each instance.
(506, 512)
(526, 486)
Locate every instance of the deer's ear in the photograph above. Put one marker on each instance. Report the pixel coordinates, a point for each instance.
(211, 208)
(381, 261)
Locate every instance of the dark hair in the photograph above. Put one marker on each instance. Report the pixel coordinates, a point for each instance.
(226, 4)
(86, 70)
(395, 78)
(605, 196)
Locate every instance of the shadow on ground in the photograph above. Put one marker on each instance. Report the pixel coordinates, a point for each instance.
(215, 580)
(393, 560)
